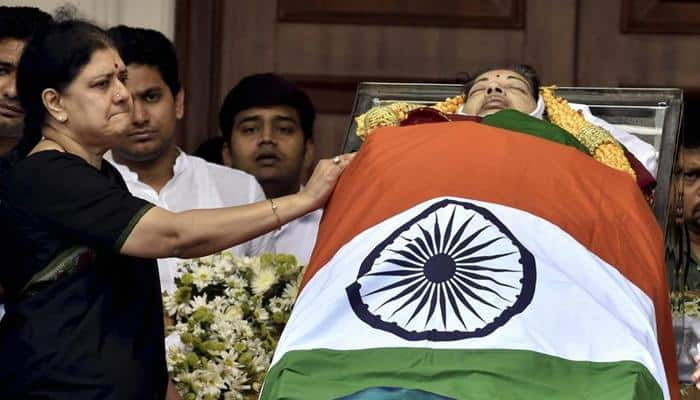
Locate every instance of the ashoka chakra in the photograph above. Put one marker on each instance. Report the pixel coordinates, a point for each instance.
(452, 272)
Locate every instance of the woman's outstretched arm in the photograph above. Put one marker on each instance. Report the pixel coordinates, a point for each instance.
(161, 233)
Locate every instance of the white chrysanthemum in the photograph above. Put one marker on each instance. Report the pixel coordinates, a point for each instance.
(202, 276)
(197, 330)
(236, 379)
(236, 282)
(261, 361)
(199, 301)
(175, 358)
(229, 359)
(221, 329)
(233, 396)
(233, 313)
(218, 304)
(185, 266)
(223, 267)
(242, 328)
(180, 328)
(277, 305)
(291, 290)
(185, 377)
(261, 314)
(207, 259)
(170, 305)
(236, 296)
(264, 279)
(233, 284)
(249, 263)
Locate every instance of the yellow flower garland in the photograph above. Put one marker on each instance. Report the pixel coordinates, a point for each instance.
(392, 114)
(599, 142)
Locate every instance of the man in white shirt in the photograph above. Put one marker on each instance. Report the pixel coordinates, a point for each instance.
(152, 166)
(267, 124)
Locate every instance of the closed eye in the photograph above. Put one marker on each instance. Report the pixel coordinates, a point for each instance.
(475, 91)
(520, 89)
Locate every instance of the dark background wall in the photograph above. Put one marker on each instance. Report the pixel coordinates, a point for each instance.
(327, 46)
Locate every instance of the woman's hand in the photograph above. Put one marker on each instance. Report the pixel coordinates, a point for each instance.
(322, 182)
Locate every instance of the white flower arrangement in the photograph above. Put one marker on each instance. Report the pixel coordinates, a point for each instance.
(228, 313)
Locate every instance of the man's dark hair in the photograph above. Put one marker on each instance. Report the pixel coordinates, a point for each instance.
(527, 72)
(21, 22)
(210, 150)
(266, 90)
(150, 48)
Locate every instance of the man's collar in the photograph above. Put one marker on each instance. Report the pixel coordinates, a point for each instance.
(182, 163)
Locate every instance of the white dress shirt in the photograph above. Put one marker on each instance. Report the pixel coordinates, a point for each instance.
(298, 237)
(197, 184)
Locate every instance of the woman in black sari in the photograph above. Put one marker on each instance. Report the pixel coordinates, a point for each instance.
(84, 315)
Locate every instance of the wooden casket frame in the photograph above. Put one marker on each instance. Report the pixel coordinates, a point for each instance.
(654, 115)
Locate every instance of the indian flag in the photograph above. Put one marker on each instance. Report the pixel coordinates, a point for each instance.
(463, 261)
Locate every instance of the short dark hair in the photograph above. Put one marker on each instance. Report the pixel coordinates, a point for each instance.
(52, 59)
(148, 47)
(21, 22)
(527, 72)
(266, 90)
(210, 150)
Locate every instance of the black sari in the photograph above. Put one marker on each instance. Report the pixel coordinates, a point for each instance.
(82, 321)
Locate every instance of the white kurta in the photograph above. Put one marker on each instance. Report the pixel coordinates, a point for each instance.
(197, 184)
(298, 237)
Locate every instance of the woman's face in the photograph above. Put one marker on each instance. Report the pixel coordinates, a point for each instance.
(97, 103)
(498, 90)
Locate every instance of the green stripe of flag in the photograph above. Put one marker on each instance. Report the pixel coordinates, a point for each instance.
(460, 374)
(519, 122)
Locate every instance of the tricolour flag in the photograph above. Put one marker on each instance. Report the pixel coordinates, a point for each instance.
(463, 261)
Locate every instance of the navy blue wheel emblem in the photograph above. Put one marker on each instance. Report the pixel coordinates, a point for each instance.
(452, 272)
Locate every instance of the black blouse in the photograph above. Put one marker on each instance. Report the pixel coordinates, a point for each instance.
(82, 321)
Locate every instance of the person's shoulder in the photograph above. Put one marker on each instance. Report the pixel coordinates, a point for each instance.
(45, 156)
(47, 174)
(46, 163)
(220, 171)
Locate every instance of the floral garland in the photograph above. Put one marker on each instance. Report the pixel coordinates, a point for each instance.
(600, 143)
(228, 314)
(393, 113)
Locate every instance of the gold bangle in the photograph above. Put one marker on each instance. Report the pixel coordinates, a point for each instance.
(274, 211)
